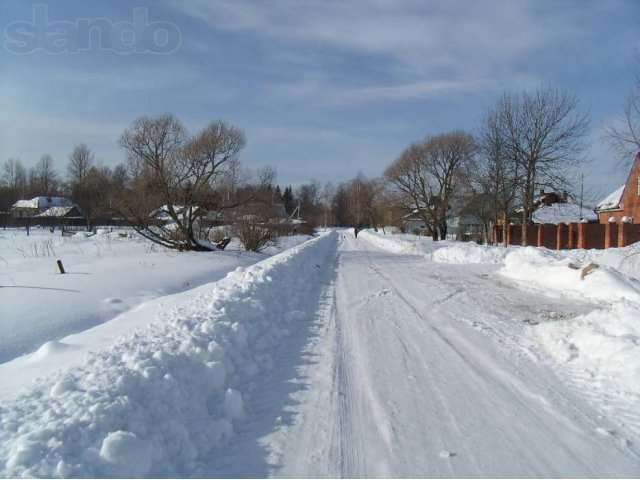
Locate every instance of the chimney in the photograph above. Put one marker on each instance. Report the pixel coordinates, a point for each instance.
(542, 192)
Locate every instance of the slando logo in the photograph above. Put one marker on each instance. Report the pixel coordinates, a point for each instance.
(138, 36)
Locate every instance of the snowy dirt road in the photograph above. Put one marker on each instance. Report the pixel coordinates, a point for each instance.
(418, 369)
(332, 359)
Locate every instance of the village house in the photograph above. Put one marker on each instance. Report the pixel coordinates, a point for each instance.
(623, 205)
(37, 205)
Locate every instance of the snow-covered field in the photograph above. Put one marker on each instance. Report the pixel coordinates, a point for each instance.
(385, 355)
(107, 274)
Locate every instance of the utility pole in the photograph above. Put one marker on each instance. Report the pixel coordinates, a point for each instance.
(581, 193)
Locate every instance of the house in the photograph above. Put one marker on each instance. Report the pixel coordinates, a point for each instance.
(31, 208)
(465, 227)
(60, 216)
(563, 213)
(161, 214)
(549, 198)
(413, 223)
(555, 208)
(623, 205)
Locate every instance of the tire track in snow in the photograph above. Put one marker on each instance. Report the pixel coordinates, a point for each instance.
(508, 389)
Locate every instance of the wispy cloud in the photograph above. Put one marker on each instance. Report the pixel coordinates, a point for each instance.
(411, 91)
(416, 35)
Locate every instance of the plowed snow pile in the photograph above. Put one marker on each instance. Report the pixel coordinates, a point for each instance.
(470, 252)
(542, 269)
(159, 401)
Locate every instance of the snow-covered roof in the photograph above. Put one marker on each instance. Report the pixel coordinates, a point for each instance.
(26, 204)
(162, 213)
(562, 213)
(42, 203)
(612, 201)
(55, 212)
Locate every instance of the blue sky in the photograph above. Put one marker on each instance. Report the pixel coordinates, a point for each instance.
(323, 89)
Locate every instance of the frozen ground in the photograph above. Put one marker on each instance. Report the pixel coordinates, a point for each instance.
(339, 358)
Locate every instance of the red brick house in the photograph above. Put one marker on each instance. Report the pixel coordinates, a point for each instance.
(624, 202)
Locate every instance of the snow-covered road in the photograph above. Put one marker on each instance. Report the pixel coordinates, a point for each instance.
(333, 359)
(421, 370)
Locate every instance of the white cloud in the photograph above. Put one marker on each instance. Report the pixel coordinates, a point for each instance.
(419, 36)
(411, 91)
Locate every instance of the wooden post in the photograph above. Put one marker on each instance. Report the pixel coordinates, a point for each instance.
(60, 267)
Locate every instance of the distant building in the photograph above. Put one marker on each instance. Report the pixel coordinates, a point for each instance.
(623, 205)
(563, 213)
(37, 205)
(555, 208)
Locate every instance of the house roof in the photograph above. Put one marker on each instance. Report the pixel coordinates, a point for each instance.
(42, 202)
(162, 213)
(562, 213)
(25, 204)
(57, 212)
(612, 201)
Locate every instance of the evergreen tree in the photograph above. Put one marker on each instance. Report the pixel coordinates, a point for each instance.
(289, 200)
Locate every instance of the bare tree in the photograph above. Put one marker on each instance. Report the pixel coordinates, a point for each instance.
(544, 132)
(498, 172)
(183, 176)
(81, 160)
(14, 175)
(624, 135)
(430, 178)
(44, 176)
(328, 194)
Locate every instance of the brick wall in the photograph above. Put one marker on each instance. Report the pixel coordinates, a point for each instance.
(574, 235)
(547, 236)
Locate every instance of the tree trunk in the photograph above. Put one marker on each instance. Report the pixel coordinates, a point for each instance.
(525, 225)
(443, 230)
(505, 226)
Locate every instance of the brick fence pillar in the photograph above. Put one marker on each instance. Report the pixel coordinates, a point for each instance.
(560, 236)
(582, 235)
(623, 229)
(509, 233)
(610, 237)
(540, 236)
(573, 228)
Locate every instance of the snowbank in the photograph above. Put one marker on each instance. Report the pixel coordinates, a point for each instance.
(159, 401)
(400, 243)
(600, 352)
(469, 252)
(542, 269)
(107, 274)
